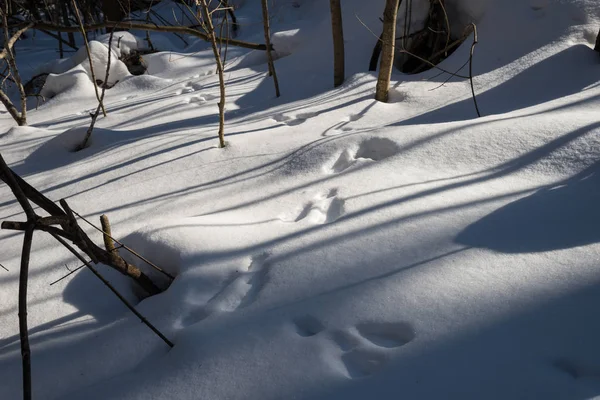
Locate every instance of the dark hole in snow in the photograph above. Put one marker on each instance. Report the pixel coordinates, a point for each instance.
(135, 61)
(35, 85)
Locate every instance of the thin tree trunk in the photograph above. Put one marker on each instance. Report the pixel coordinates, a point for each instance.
(9, 42)
(65, 18)
(12, 182)
(272, 72)
(87, 47)
(213, 40)
(390, 15)
(375, 56)
(338, 43)
(23, 329)
(597, 48)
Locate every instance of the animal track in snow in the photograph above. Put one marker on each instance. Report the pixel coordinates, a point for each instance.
(325, 208)
(362, 350)
(195, 100)
(388, 335)
(307, 325)
(578, 370)
(189, 88)
(209, 97)
(240, 291)
(366, 353)
(360, 363)
(372, 149)
(352, 118)
(295, 120)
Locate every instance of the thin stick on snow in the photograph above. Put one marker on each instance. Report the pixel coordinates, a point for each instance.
(89, 54)
(115, 291)
(4, 268)
(71, 272)
(67, 275)
(471, 68)
(108, 234)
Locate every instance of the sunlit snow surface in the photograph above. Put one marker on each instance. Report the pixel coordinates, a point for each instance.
(338, 248)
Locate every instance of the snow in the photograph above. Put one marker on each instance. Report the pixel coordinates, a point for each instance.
(338, 248)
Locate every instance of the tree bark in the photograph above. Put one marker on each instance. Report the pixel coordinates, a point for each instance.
(338, 43)
(267, 29)
(597, 48)
(390, 15)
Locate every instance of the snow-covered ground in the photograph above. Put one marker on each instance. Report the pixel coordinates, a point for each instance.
(337, 248)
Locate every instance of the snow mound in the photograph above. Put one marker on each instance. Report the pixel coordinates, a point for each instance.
(99, 51)
(123, 42)
(74, 83)
(287, 42)
(64, 74)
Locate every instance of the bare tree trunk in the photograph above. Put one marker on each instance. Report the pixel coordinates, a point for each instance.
(388, 37)
(597, 48)
(210, 30)
(23, 329)
(65, 18)
(338, 43)
(87, 47)
(272, 72)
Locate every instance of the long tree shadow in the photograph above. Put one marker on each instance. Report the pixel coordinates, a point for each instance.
(560, 217)
(528, 88)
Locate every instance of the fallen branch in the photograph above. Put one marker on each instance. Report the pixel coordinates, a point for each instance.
(69, 229)
(108, 234)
